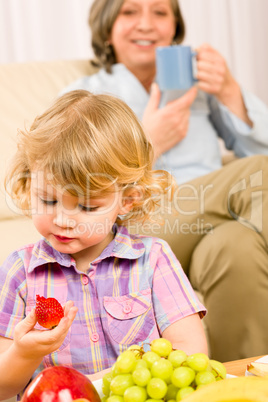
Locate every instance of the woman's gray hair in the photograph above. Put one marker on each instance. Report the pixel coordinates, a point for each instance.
(102, 16)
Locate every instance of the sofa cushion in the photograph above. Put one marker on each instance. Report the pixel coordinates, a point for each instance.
(27, 89)
(15, 233)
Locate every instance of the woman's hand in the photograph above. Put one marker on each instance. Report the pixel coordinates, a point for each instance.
(169, 125)
(31, 343)
(214, 77)
(212, 72)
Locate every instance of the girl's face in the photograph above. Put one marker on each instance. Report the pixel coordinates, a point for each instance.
(79, 227)
(139, 28)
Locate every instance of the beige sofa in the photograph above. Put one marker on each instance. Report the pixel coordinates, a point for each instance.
(26, 91)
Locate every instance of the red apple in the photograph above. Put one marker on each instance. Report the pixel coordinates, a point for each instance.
(60, 384)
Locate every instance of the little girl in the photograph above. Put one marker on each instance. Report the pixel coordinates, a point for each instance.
(82, 172)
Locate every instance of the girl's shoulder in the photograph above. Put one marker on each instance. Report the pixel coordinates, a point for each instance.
(28, 254)
(151, 243)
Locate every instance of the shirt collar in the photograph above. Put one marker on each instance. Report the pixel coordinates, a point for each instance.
(123, 245)
(44, 253)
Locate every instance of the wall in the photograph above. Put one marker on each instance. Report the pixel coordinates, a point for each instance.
(57, 29)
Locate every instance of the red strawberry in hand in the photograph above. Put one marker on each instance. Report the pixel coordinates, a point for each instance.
(49, 311)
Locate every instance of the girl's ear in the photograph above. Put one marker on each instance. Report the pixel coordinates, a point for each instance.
(130, 197)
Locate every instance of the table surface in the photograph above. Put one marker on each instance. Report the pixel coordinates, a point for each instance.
(238, 367)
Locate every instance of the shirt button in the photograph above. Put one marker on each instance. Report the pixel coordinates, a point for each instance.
(127, 309)
(94, 337)
(85, 279)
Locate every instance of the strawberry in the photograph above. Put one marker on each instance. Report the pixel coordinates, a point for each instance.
(48, 311)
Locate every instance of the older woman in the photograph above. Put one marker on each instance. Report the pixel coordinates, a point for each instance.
(221, 232)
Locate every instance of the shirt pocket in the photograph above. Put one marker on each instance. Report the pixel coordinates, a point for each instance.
(130, 317)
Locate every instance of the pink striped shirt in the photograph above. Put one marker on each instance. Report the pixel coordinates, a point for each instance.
(130, 294)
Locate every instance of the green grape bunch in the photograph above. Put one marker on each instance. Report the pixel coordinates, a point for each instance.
(161, 374)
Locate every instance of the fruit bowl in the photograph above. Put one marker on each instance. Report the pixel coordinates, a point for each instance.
(98, 386)
(260, 367)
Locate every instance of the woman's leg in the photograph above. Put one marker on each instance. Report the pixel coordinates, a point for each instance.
(219, 233)
(230, 270)
(236, 192)
(228, 265)
(220, 236)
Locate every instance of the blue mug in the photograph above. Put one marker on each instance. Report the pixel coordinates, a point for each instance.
(175, 67)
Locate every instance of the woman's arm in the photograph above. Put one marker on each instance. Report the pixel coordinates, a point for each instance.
(215, 78)
(188, 335)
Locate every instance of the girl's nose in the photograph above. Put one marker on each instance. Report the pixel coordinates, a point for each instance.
(64, 220)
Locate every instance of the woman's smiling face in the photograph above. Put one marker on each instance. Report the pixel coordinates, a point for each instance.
(139, 28)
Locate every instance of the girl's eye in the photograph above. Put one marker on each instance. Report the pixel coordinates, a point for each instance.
(86, 208)
(49, 202)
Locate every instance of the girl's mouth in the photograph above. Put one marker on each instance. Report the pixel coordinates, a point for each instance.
(63, 239)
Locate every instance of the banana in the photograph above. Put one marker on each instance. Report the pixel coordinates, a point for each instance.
(240, 389)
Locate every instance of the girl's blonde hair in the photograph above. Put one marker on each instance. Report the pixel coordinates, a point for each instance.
(102, 16)
(90, 145)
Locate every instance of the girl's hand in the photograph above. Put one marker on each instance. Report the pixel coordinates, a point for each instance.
(169, 125)
(215, 78)
(34, 344)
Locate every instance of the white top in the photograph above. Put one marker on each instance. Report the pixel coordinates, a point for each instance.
(199, 152)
